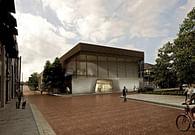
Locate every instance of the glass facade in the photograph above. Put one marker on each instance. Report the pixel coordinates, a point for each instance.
(91, 65)
(103, 67)
(70, 66)
(112, 67)
(121, 67)
(81, 65)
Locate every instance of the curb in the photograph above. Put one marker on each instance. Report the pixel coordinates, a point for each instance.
(43, 126)
(158, 103)
(85, 94)
(165, 104)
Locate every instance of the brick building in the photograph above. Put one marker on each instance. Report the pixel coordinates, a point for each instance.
(9, 61)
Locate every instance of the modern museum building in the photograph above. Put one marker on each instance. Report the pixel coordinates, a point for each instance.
(91, 68)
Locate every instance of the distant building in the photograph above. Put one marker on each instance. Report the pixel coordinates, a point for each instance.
(9, 61)
(93, 68)
(148, 71)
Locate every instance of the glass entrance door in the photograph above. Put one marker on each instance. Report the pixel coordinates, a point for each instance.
(103, 86)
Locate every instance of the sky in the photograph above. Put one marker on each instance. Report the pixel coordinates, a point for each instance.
(49, 28)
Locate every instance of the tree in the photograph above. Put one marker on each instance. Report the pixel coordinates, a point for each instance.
(164, 72)
(47, 75)
(177, 60)
(33, 81)
(184, 50)
(58, 75)
(53, 75)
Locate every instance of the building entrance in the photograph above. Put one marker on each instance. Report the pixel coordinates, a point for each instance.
(103, 86)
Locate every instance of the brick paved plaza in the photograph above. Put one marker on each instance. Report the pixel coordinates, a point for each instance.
(106, 115)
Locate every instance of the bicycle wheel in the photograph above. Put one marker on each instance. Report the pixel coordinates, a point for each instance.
(183, 122)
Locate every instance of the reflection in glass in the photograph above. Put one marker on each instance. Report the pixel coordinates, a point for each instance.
(102, 66)
(91, 65)
(112, 67)
(81, 65)
(121, 67)
(71, 67)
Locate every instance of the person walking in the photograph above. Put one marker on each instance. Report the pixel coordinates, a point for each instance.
(125, 94)
(19, 95)
(41, 90)
(186, 93)
(193, 94)
(67, 90)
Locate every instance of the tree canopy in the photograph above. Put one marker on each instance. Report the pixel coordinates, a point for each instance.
(164, 71)
(33, 81)
(53, 75)
(176, 61)
(184, 50)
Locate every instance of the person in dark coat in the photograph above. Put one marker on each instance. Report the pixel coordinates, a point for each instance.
(19, 95)
(125, 93)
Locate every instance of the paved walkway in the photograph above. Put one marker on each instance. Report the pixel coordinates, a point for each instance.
(167, 100)
(28, 121)
(17, 121)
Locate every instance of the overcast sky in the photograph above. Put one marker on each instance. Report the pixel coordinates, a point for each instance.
(49, 28)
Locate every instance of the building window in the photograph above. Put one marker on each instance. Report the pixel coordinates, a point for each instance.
(141, 68)
(71, 67)
(112, 67)
(91, 65)
(121, 68)
(81, 65)
(102, 66)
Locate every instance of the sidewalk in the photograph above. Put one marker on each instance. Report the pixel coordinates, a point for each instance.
(28, 121)
(167, 100)
(17, 121)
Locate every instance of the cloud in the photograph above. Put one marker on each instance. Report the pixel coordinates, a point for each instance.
(49, 28)
(104, 19)
(188, 6)
(145, 17)
(183, 10)
(92, 23)
(38, 41)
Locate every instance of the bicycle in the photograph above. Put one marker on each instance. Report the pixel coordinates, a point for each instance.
(186, 119)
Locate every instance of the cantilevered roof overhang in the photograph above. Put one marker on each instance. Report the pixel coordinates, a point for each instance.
(99, 50)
